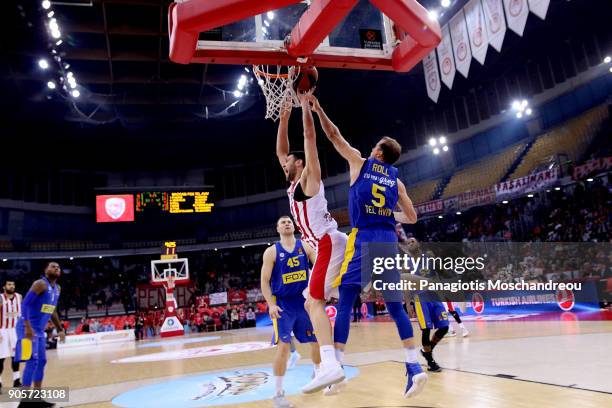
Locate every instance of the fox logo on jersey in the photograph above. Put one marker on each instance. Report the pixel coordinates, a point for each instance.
(292, 277)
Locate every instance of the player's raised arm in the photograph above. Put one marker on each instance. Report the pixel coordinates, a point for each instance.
(312, 168)
(349, 153)
(282, 137)
(269, 258)
(408, 214)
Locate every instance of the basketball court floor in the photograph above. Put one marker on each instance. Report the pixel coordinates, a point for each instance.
(512, 362)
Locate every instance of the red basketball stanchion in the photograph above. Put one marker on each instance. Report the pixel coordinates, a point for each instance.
(172, 326)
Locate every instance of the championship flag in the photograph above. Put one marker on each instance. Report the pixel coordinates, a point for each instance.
(445, 56)
(539, 7)
(495, 22)
(432, 76)
(479, 41)
(516, 14)
(461, 46)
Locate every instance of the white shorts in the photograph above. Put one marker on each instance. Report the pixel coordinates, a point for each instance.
(8, 342)
(330, 256)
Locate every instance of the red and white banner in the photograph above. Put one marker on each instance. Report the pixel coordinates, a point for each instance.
(527, 184)
(237, 296)
(445, 56)
(432, 76)
(516, 14)
(539, 7)
(461, 46)
(451, 204)
(495, 22)
(592, 166)
(115, 208)
(475, 198)
(477, 32)
(430, 207)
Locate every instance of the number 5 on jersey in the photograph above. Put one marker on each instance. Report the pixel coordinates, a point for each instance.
(293, 262)
(379, 198)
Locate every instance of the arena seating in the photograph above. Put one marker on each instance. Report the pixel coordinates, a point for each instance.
(571, 138)
(421, 192)
(484, 173)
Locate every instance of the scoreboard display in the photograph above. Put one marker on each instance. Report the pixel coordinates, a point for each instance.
(157, 203)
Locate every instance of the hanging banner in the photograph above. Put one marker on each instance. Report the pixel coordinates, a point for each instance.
(539, 7)
(527, 184)
(495, 22)
(476, 198)
(432, 76)
(219, 298)
(445, 56)
(461, 46)
(451, 204)
(592, 166)
(516, 14)
(430, 207)
(479, 41)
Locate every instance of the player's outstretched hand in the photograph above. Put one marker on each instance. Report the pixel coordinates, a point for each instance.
(275, 311)
(314, 103)
(285, 111)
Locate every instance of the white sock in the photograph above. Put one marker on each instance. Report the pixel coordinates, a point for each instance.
(328, 356)
(317, 367)
(278, 384)
(411, 355)
(340, 356)
(461, 325)
(16, 375)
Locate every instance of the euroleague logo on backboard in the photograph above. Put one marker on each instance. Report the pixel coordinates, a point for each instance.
(478, 303)
(565, 299)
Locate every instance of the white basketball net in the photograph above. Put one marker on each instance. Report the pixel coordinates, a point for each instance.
(276, 85)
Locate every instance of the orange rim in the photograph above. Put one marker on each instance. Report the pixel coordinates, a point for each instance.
(268, 75)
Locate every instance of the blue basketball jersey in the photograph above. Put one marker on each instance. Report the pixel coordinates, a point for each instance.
(43, 307)
(373, 196)
(290, 272)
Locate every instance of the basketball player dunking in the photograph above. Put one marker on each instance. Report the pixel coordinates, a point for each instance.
(39, 305)
(284, 277)
(10, 311)
(374, 191)
(309, 210)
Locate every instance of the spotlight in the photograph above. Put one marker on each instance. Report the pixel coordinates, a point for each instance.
(436, 151)
(59, 42)
(266, 23)
(69, 75)
(610, 69)
(76, 93)
(557, 188)
(269, 243)
(265, 30)
(66, 66)
(442, 139)
(530, 195)
(445, 148)
(4, 259)
(516, 105)
(50, 14)
(51, 85)
(519, 114)
(524, 103)
(270, 15)
(43, 63)
(72, 258)
(607, 59)
(46, 4)
(55, 34)
(445, 3)
(246, 69)
(458, 213)
(260, 82)
(528, 111)
(237, 93)
(242, 79)
(243, 247)
(505, 202)
(72, 84)
(216, 249)
(240, 86)
(100, 257)
(589, 179)
(432, 141)
(433, 15)
(440, 217)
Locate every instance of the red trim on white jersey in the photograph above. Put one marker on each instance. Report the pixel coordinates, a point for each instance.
(10, 311)
(311, 216)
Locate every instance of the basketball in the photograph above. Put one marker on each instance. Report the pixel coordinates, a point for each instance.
(306, 80)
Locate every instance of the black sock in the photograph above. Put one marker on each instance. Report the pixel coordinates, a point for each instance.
(428, 356)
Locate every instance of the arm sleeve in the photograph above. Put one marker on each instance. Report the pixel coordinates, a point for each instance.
(26, 305)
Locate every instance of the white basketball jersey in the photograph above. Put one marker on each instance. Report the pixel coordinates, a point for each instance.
(311, 216)
(10, 311)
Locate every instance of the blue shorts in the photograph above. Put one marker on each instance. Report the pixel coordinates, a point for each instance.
(363, 248)
(37, 349)
(430, 314)
(293, 318)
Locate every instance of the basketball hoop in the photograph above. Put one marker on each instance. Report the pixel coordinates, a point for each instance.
(276, 83)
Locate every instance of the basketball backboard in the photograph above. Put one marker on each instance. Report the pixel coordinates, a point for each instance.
(163, 269)
(358, 34)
